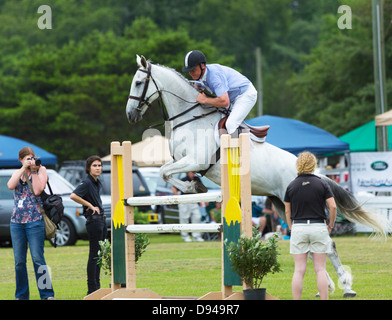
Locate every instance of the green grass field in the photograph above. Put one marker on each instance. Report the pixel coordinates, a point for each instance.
(171, 267)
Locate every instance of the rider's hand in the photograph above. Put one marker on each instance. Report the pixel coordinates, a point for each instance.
(202, 98)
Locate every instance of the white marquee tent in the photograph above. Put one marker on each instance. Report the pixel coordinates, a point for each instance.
(384, 119)
(150, 152)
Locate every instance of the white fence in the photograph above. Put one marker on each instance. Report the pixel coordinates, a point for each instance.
(185, 198)
(163, 228)
(381, 205)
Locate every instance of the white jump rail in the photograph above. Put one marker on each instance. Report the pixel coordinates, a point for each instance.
(173, 228)
(186, 198)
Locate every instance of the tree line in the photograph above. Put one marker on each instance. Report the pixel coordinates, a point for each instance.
(65, 88)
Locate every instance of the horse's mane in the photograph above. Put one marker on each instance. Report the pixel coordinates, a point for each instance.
(176, 73)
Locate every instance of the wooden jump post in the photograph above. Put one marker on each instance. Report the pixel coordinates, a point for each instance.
(235, 178)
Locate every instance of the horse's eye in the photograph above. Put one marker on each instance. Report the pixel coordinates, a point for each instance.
(138, 83)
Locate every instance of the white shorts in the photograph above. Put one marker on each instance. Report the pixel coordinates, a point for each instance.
(311, 237)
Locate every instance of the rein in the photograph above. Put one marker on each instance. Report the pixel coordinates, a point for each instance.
(142, 101)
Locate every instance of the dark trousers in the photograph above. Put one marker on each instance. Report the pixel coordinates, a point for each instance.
(97, 231)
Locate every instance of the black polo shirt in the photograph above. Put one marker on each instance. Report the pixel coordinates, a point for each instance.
(307, 195)
(89, 190)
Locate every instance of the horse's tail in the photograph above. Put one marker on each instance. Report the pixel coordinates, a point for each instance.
(352, 210)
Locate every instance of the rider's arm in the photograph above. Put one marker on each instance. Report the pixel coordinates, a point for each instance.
(222, 101)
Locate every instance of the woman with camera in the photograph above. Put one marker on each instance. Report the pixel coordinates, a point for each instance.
(27, 225)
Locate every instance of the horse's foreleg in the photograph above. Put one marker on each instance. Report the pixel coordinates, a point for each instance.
(183, 165)
(345, 278)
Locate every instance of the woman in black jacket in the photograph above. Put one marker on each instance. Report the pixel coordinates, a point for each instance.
(88, 195)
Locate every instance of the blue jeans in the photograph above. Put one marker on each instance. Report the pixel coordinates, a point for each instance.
(32, 234)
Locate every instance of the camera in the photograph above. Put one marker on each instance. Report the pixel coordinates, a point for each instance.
(37, 161)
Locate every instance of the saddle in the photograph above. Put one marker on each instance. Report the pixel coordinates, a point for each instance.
(259, 132)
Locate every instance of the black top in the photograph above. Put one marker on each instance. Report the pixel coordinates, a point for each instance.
(307, 195)
(89, 190)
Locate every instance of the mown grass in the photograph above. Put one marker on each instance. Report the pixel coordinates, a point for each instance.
(171, 267)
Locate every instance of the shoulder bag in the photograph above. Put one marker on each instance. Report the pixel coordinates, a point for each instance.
(50, 226)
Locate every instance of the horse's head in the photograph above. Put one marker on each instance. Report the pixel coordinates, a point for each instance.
(143, 91)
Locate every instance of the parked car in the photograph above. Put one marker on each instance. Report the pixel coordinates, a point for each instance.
(71, 227)
(74, 172)
(152, 177)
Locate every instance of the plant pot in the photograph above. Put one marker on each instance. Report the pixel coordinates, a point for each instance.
(254, 294)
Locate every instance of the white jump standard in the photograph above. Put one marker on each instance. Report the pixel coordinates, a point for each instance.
(124, 229)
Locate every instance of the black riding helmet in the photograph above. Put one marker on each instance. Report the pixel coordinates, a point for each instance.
(193, 59)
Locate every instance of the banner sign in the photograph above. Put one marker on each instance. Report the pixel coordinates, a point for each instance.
(371, 171)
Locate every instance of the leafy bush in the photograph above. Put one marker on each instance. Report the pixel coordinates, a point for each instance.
(105, 254)
(253, 259)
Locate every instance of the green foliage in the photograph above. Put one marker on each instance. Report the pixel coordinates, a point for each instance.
(53, 94)
(335, 90)
(253, 259)
(141, 243)
(73, 80)
(140, 217)
(105, 254)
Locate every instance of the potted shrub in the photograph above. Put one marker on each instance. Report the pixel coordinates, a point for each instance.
(141, 243)
(253, 259)
(105, 254)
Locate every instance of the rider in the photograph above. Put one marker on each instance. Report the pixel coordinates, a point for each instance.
(230, 87)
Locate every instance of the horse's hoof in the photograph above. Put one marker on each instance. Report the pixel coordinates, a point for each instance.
(349, 294)
(200, 188)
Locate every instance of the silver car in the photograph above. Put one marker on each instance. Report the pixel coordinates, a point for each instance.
(73, 225)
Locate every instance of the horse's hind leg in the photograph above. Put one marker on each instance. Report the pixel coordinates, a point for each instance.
(345, 278)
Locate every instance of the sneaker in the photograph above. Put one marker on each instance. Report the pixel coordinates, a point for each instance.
(187, 239)
(198, 239)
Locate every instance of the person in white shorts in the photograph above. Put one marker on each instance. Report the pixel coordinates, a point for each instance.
(305, 206)
(189, 212)
(232, 89)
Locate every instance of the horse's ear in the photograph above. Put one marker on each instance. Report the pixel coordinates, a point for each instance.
(141, 61)
(144, 62)
(138, 60)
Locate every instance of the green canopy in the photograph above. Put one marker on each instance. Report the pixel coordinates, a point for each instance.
(364, 138)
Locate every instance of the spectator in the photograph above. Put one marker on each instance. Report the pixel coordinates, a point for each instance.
(88, 195)
(189, 211)
(27, 226)
(305, 200)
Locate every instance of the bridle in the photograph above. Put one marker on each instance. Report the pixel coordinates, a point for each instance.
(143, 101)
